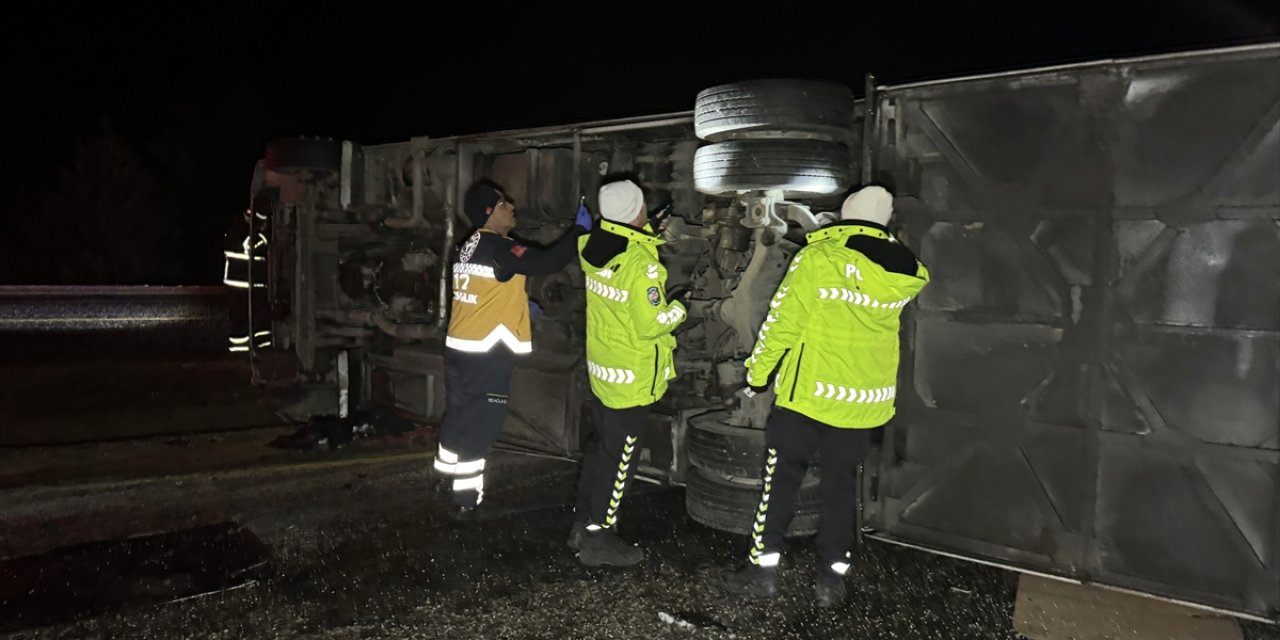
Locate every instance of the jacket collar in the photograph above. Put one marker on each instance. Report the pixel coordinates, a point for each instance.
(846, 228)
(629, 232)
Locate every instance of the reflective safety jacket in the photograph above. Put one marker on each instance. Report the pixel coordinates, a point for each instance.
(245, 266)
(490, 305)
(629, 319)
(245, 256)
(831, 331)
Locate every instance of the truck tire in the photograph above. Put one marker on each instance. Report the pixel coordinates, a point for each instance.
(781, 108)
(802, 167)
(297, 155)
(734, 454)
(726, 506)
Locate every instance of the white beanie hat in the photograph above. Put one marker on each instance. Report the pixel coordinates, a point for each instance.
(621, 201)
(873, 204)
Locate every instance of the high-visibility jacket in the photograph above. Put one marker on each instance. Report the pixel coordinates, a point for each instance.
(487, 311)
(244, 255)
(490, 305)
(630, 349)
(831, 331)
(245, 266)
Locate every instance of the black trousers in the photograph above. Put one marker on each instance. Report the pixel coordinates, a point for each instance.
(791, 439)
(610, 461)
(240, 332)
(476, 390)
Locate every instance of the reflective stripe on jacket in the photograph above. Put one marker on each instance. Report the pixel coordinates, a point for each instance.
(630, 349)
(831, 331)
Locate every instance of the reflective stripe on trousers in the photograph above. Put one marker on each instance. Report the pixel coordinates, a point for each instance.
(467, 475)
(758, 556)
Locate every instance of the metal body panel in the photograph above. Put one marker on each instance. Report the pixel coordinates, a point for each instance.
(1095, 370)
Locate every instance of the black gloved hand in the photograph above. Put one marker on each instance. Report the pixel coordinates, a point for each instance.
(658, 218)
(680, 293)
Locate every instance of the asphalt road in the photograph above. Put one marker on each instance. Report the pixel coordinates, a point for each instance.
(139, 499)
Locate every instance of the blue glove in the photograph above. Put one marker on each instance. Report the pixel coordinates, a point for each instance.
(535, 309)
(584, 217)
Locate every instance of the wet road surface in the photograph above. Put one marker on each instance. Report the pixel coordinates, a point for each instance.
(363, 550)
(187, 525)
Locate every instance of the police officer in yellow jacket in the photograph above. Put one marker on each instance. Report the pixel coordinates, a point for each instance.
(829, 346)
(630, 317)
(488, 327)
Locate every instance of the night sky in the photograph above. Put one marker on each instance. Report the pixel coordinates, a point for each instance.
(194, 97)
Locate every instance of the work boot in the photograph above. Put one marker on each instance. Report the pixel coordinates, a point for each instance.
(604, 547)
(464, 514)
(829, 587)
(751, 580)
(577, 530)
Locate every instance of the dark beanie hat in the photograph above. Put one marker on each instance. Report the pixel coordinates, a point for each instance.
(479, 202)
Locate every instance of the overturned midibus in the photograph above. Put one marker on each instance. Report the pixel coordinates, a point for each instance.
(1089, 389)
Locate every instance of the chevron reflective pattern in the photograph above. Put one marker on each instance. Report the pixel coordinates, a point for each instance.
(849, 394)
(770, 318)
(858, 298)
(605, 291)
(758, 556)
(610, 374)
(672, 316)
(795, 264)
(619, 482)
